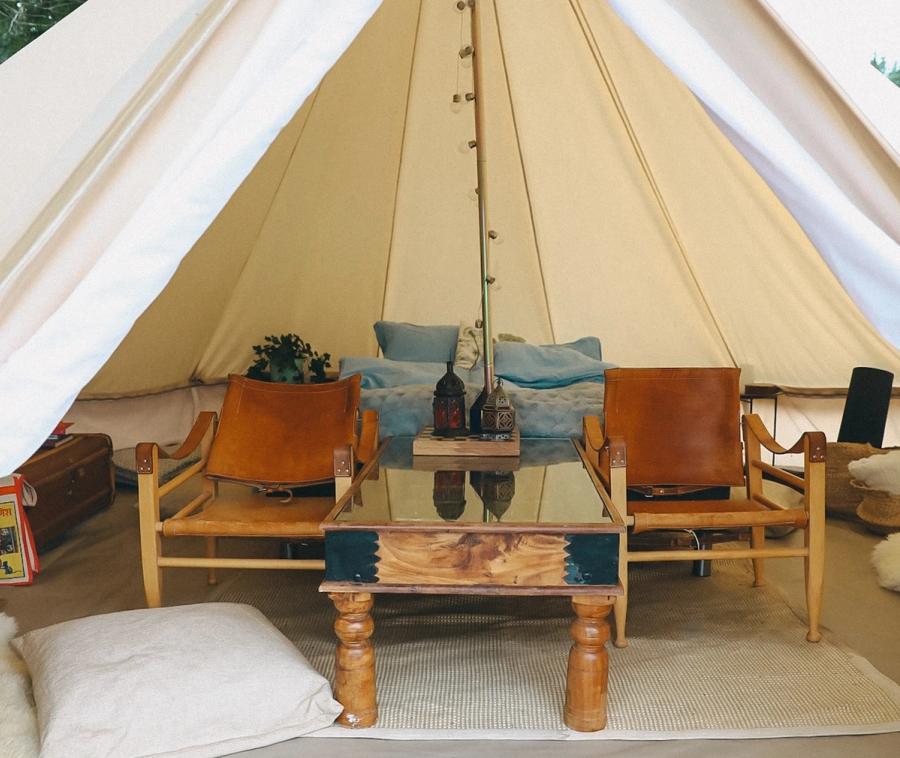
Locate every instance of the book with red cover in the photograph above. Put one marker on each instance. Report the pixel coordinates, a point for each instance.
(18, 556)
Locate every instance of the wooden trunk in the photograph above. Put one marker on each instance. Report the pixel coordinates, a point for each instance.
(73, 481)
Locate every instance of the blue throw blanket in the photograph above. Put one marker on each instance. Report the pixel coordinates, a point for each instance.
(517, 363)
(550, 366)
(379, 373)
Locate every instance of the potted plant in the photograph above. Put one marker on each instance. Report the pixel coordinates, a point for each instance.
(287, 359)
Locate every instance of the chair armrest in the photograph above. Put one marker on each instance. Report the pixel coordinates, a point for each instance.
(607, 457)
(811, 444)
(596, 442)
(367, 442)
(592, 432)
(143, 453)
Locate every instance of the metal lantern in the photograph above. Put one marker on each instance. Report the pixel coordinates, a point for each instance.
(450, 494)
(450, 405)
(496, 490)
(498, 417)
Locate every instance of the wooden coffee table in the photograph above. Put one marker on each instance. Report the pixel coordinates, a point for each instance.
(539, 524)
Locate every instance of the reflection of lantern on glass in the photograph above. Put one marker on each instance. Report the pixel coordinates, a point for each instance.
(496, 490)
(498, 417)
(450, 494)
(450, 405)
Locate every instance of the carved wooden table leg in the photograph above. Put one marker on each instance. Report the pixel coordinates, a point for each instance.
(354, 685)
(585, 709)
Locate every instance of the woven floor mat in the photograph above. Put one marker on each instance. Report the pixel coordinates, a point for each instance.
(710, 657)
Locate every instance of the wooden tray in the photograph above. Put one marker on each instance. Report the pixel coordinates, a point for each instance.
(425, 443)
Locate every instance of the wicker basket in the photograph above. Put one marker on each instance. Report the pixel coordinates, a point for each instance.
(879, 510)
(841, 499)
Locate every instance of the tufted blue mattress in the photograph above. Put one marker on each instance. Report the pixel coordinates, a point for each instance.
(404, 410)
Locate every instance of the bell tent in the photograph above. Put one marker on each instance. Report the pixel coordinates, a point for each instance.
(180, 178)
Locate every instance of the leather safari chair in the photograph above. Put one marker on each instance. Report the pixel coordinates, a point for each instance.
(681, 428)
(271, 438)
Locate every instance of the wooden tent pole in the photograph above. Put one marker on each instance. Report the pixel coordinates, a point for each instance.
(483, 231)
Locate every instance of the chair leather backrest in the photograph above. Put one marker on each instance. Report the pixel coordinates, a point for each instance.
(681, 425)
(275, 434)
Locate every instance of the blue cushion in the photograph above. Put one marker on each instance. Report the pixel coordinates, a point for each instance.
(590, 346)
(412, 342)
(547, 366)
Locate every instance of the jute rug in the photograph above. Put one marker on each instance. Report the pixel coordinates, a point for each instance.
(708, 658)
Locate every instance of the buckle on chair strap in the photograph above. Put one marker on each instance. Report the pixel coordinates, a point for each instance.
(275, 489)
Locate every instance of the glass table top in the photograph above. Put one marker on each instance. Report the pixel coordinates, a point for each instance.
(547, 484)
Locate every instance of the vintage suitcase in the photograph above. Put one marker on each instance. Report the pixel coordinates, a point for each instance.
(73, 481)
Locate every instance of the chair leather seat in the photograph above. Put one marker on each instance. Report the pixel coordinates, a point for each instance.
(252, 515)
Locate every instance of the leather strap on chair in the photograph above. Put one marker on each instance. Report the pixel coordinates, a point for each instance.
(592, 433)
(616, 447)
(655, 490)
(816, 440)
(367, 443)
(792, 517)
(143, 453)
(343, 462)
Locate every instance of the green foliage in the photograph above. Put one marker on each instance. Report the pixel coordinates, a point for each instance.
(281, 359)
(21, 21)
(881, 65)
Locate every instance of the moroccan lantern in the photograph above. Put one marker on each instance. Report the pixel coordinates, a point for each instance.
(450, 405)
(450, 494)
(498, 417)
(496, 490)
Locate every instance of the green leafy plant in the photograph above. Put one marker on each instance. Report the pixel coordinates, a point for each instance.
(21, 21)
(281, 359)
(881, 65)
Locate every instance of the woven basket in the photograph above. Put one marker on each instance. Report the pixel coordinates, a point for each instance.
(879, 510)
(841, 499)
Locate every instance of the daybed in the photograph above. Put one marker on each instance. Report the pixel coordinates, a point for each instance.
(551, 386)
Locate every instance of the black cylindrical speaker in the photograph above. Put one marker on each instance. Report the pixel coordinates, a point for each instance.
(866, 410)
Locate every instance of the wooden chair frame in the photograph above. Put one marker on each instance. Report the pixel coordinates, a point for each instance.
(608, 455)
(201, 436)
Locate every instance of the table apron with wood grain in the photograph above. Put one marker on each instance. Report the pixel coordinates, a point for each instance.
(478, 560)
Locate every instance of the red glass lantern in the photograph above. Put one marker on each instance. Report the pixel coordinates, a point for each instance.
(450, 494)
(450, 405)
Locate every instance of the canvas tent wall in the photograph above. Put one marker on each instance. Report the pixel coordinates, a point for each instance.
(623, 210)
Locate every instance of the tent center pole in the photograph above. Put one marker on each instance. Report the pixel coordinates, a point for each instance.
(481, 167)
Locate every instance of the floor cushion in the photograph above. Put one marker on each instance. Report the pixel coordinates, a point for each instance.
(192, 680)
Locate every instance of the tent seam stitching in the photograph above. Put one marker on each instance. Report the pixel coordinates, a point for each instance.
(315, 96)
(412, 63)
(606, 75)
(512, 110)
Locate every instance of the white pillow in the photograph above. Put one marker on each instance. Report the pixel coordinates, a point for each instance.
(192, 680)
(468, 346)
(886, 560)
(878, 472)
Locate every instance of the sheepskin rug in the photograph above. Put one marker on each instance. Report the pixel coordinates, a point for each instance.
(886, 560)
(19, 734)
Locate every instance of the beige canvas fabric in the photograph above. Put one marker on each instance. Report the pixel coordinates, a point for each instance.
(621, 209)
(373, 215)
